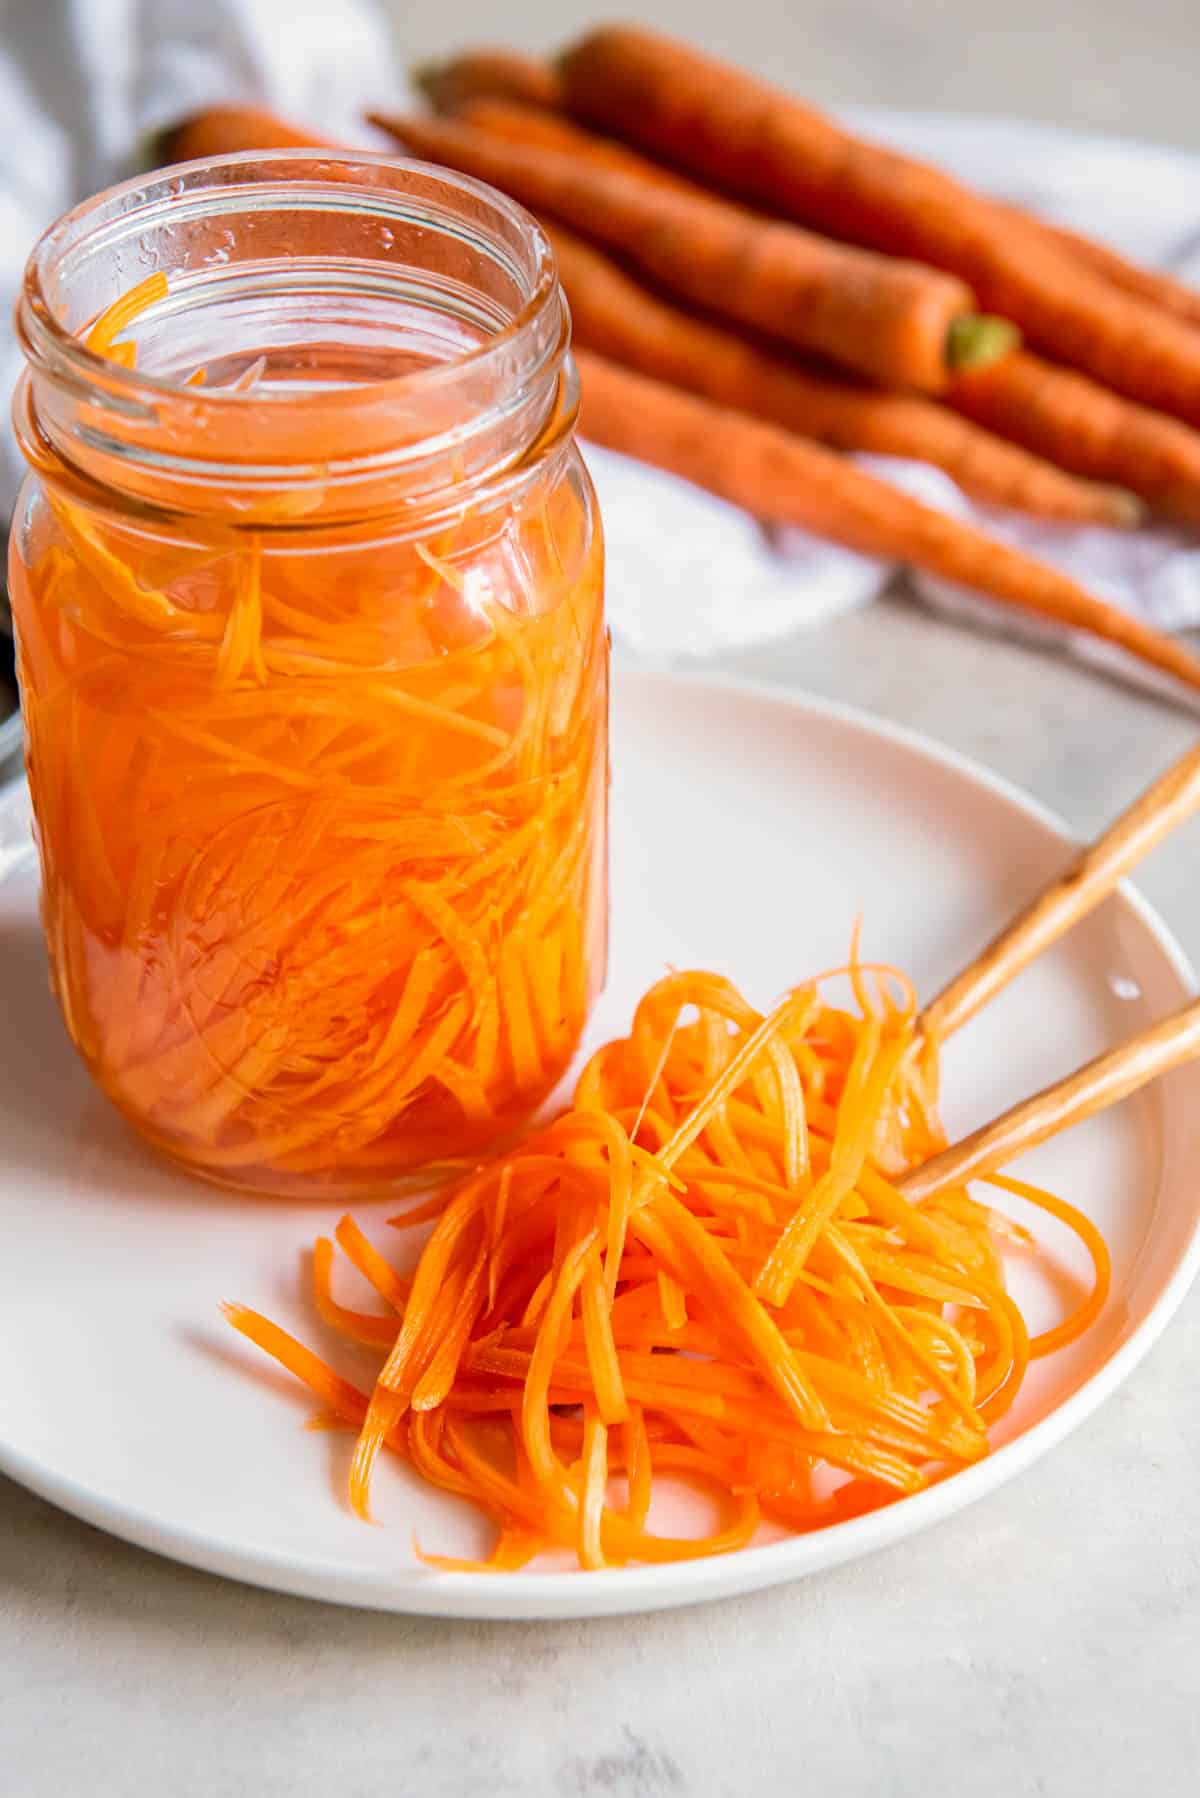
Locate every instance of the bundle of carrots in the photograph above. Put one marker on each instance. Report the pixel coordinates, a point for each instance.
(754, 290)
(703, 1268)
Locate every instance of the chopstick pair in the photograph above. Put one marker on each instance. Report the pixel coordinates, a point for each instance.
(1094, 873)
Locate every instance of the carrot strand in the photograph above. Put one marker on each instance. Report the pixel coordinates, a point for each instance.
(802, 1341)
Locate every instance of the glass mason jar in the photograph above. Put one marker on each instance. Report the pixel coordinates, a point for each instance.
(307, 584)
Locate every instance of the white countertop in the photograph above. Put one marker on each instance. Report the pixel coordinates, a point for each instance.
(1046, 1641)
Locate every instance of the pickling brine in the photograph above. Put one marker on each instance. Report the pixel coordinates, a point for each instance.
(315, 682)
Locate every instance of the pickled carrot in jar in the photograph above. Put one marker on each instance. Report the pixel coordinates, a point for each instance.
(320, 786)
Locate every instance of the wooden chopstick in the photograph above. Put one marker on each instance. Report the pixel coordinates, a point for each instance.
(1091, 1088)
(1090, 878)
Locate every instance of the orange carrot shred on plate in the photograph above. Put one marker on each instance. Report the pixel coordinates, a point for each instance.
(358, 1326)
(824, 1349)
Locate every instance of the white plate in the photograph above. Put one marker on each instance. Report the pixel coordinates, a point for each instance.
(748, 830)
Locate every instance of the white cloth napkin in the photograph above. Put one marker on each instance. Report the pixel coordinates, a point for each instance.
(83, 82)
(691, 577)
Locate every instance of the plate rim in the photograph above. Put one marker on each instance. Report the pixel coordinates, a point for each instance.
(626, 1591)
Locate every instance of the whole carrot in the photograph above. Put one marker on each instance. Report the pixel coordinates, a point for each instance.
(615, 316)
(221, 130)
(538, 125)
(749, 139)
(1145, 283)
(488, 73)
(494, 80)
(1082, 426)
(784, 479)
(903, 325)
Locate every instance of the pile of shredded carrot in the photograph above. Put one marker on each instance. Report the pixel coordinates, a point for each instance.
(322, 840)
(321, 819)
(701, 1269)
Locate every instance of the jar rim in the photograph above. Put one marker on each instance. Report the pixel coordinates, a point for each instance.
(458, 421)
(39, 328)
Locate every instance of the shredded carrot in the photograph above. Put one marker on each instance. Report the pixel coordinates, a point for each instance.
(656, 1286)
(1097, 1248)
(123, 312)
(322, 826)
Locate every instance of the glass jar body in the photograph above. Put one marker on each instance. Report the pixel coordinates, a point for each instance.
(321, 807)
(324, 882)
